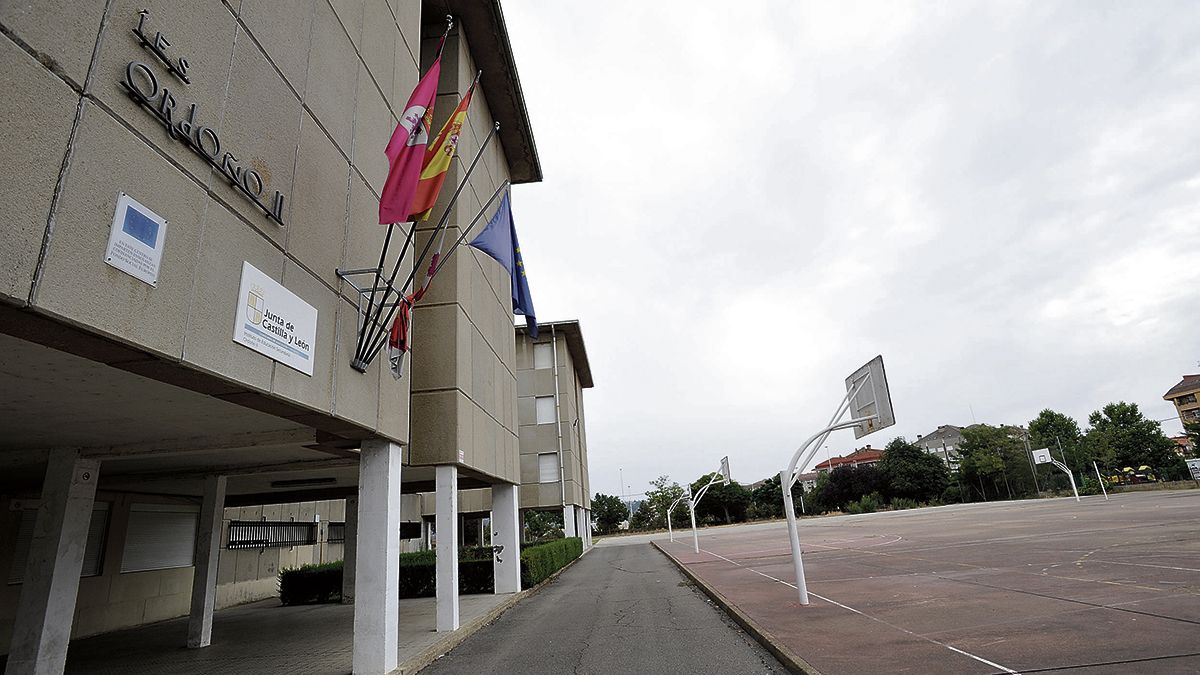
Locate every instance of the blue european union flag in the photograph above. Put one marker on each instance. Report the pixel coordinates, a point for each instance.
(499, 240)
(138, 226)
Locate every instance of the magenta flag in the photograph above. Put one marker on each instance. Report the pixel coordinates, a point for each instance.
(406, 150)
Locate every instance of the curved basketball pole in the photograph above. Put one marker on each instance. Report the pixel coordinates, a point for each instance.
(789, 476)
(720, 476)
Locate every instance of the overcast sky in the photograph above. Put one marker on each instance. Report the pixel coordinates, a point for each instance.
(743, 202)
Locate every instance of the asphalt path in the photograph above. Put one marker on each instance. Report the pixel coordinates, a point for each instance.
(622, 608)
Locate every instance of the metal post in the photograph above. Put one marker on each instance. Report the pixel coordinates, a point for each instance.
(695, 534)
(789, 510)
(1101, 479)
(1029, 456)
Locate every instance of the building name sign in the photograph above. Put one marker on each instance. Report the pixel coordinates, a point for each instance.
(274, 321)
(144, 87)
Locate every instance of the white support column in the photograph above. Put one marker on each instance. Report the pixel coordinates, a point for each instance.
(349, 550)
(506, 532)
(208, 551)
(377, 559)
(446, 526)
(46, 608)
(569, 520)
(580, 521)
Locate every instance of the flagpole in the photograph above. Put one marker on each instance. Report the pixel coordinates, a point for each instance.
(377, 333)
(503, 186)
(442, 241)
(475, 220)
(357, 363)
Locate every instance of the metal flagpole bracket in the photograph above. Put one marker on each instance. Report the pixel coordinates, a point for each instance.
(366, 304)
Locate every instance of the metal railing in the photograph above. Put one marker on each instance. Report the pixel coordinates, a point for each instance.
(270, 534)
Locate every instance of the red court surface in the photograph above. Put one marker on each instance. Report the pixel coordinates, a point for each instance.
(1049, 586)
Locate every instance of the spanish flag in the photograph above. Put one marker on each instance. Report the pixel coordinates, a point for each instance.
(437, 159)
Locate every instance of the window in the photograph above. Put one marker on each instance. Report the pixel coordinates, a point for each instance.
(160, 536)
(548, 467)
(410, 530)
(545, 410)
(336, 534)
(1182, 400)
(274, 534)
(93, 552)
(543, 355)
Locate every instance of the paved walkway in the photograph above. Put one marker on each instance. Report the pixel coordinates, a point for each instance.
(262, 637)
(623, 608)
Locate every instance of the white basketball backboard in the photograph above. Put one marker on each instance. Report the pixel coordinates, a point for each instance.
(873, 400)
(725, 469)
(1042, 456)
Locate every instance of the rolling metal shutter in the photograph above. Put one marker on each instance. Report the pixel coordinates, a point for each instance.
(160, 536)
(93, 552)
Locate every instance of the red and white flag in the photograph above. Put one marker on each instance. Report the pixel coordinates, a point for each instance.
(406, 150)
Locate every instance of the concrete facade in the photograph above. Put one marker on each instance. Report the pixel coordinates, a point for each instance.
(255, 131)
(553, 371)
(1186, 398)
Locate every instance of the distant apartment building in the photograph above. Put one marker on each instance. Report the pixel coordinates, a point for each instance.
(864, 456)
(552, 372)
(1184, 396)
(943, 443)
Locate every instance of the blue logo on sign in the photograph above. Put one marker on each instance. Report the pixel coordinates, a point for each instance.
(138, 226)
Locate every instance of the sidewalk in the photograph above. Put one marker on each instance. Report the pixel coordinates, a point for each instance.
(265, 637)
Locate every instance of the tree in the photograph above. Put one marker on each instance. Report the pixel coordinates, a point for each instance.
(912, 473)
(1120, 436)
(608, 511)
(847, 484)
(651, 514)
(1192, 429)
(1050, 429)
(543, 525)
(726, 503)
(995, 457)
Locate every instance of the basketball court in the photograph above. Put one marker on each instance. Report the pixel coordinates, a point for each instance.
(1033, 586)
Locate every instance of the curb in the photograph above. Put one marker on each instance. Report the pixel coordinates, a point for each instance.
(443, 646)
(789, 660)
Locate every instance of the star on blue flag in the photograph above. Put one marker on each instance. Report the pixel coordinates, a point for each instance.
(499, 240)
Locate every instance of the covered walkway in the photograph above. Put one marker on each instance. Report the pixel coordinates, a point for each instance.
(265, 637)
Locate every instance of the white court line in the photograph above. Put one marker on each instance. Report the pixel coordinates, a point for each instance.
(1161, 567)
(868, 616)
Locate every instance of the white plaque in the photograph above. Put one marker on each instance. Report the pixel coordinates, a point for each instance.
(135, 242)
(274, 321)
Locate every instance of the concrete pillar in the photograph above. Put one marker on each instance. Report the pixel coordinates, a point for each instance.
(377, 559)
(446, 516)
(349, 550)
(506, 532)
(569, 521)
(208, 551)
(46, 608)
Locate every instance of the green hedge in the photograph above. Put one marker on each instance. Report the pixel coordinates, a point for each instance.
(539, 562)
(418, 577)
(311, 583)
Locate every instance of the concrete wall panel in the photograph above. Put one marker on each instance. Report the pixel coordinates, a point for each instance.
(66, 43)
(34, 148)
(76, 282)
(208, 343)
(283, 29)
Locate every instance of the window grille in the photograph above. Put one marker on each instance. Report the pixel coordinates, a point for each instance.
(336, 534)
(270, 534)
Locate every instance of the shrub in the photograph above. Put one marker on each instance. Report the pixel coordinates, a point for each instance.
(539, 562)
(868, 504)
(311, 583)
(418, 577)
(900, 503)
(418, 572)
